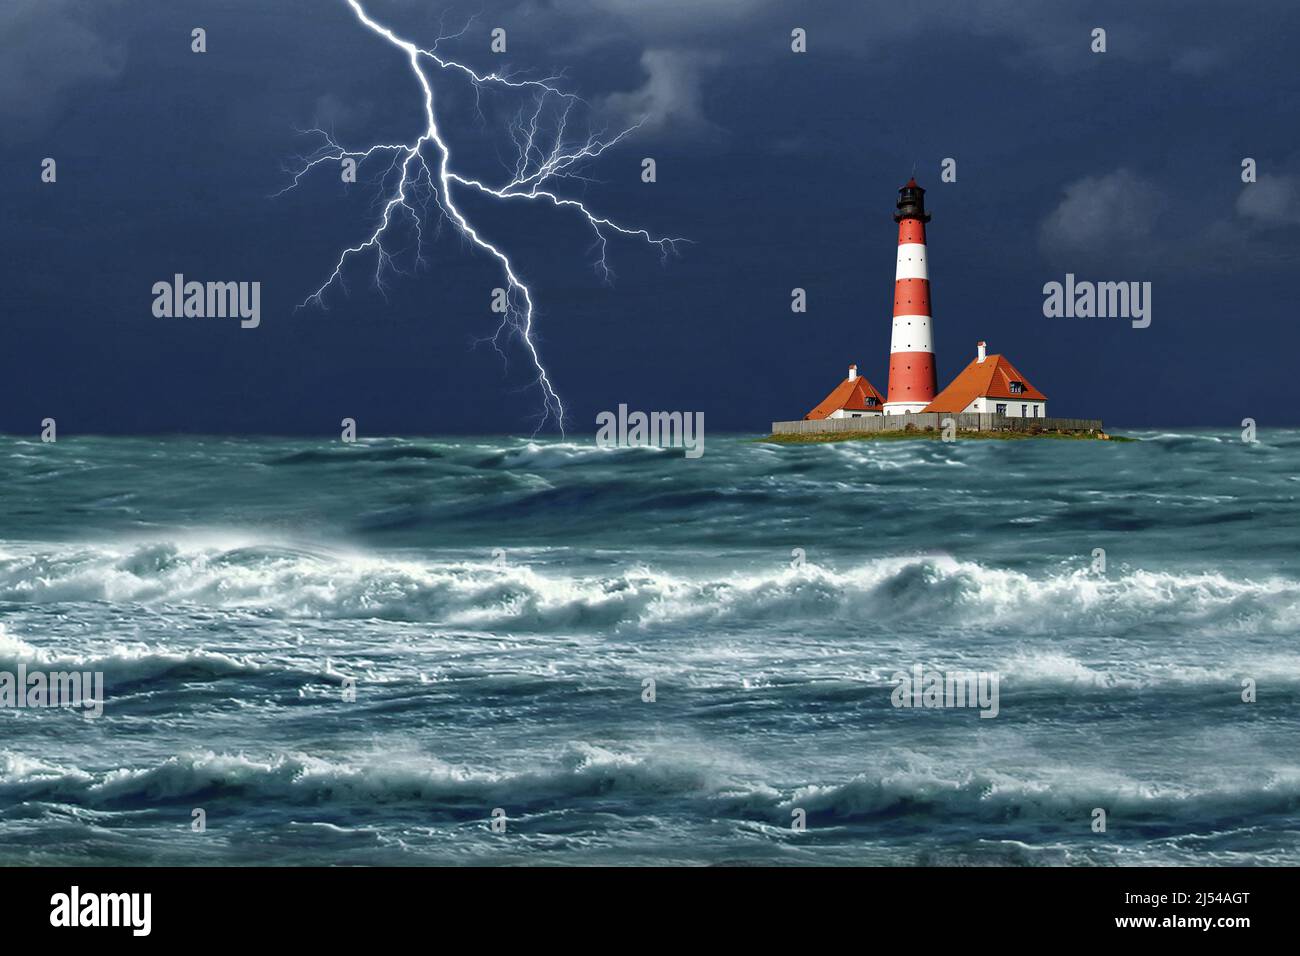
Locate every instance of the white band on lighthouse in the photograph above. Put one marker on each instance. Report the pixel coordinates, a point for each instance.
(911, 262)
(912, 333)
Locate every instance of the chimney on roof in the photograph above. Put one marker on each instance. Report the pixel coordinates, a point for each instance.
(853, 373)
(981, 347)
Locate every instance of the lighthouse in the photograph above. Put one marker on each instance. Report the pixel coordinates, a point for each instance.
(912, 381)
(989, 390)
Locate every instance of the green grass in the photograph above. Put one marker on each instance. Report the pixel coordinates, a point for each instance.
(918, 435)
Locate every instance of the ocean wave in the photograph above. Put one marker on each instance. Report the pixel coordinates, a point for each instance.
(1070, 796)
(1050, 670)
(1183, 437)
(348, 454)
(612, 781)
(1037, 673)
(891, 456)
(486, 595)
(507, 454)
(123, 665)
(561, 454)
(299, 779)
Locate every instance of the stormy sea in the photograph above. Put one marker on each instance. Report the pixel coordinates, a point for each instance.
(513, 651)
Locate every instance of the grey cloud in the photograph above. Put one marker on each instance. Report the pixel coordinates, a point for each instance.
(671, 97)
(49, 48)
(1272, 201)
(1123, 220)
(1100, 212)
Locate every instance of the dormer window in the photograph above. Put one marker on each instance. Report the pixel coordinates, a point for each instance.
(871, 401)
(1017, 388)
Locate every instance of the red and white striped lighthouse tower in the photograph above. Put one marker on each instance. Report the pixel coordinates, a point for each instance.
(912, 381)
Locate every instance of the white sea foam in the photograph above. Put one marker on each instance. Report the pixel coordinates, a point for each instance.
(127, 663)
(483, 595)
(582, 770)
(586, 772)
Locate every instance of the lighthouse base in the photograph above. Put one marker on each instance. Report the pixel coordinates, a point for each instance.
(904, 408)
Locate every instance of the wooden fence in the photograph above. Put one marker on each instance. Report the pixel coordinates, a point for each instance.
(966, 422)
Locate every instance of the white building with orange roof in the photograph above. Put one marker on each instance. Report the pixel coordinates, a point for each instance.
(854, 397)
(990, 385)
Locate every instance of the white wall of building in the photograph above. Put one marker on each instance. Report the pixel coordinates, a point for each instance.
(1015, 407)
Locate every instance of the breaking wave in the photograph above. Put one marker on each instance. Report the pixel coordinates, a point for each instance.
(125, 664)
(991, 796)
(620, 781)
(480, 594)
(583, 771)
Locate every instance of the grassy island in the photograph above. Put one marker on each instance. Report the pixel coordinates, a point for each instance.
(932, 434)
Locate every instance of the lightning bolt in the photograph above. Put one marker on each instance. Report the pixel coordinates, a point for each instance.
(413, 179)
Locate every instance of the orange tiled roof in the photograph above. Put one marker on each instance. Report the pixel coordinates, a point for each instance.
(991, 378)
(850, 395)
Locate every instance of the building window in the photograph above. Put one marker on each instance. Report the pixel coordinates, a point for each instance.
(1002, 408)
(1017, 388)
(1024, 411)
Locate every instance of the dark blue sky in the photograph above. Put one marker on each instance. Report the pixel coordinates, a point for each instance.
(782, 169)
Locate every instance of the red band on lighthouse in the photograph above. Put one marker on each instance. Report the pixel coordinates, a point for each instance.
(912, 378)
(911, 230)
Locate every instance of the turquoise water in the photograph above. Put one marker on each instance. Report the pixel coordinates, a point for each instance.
(500, 603)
